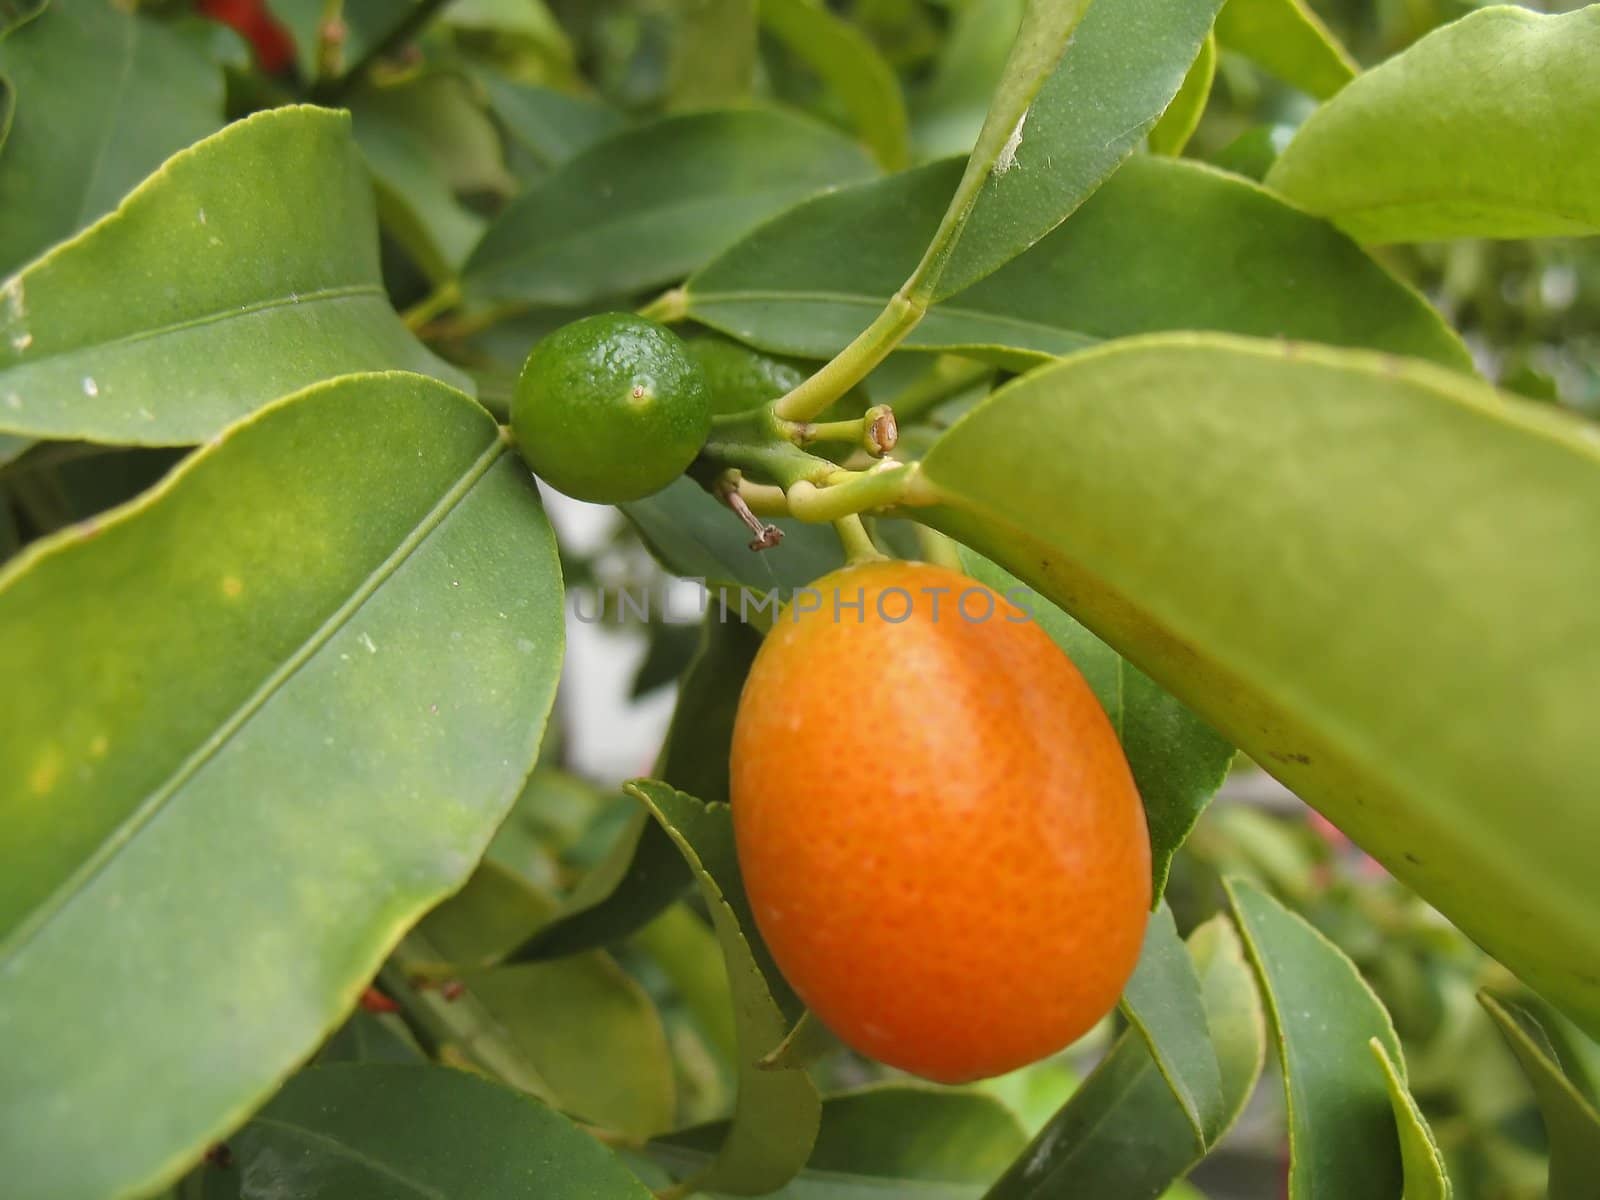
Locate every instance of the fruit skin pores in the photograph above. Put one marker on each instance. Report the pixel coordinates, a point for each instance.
(939, 834)
(610, 408)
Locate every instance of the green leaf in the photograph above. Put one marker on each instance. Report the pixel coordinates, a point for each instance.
(686, 949)
(370, 1038)
(550, 817)
(901, 1139)
(1123, 1133)
(445, 114)
(232, 291)
(1484, 128)
(850, 65)
(366, 24)
(1178, 761)
(549, 126)
(695, 536)
(1125, 63)
(776, 1119)
(373, 1132)
(1289, 40)
(694, 757)
(1342, 1138)
(8, 109)
(650, 204)
(1177, 125)
(577, 1032)
(1571, 1122)
(639, 876)
(344, 614)
(713, 54)
(1163, 1002)
(15, 13)
(1160, 247)
(103, 95)
(803, 1045)
(415, 203)
(1423, 1164)
(644, 872)
(948, 113)
(1414, 660)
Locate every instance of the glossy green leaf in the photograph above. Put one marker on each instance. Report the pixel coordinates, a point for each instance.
(549, 126)
(1123, 1133)
(648, 205)
(897, 1139)
(1125, 63)
(1178, 761)
(851, 67)
(103, 95)
(1165, 245)
(1163, 1002)
(1440, 531)
(1571, 1121)
(1177, 125)
(343, 614)
(1289, 40)
(775, 1121)
(377, 1132)
(577, 1032)
(232, 291)
(1342, 1138)
(1484, 128)
(695, 536)
(1421, 1160)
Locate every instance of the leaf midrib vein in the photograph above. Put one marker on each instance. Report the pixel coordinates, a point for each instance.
(296, 299)
(346, 1150)
(860, 299)
(147, 811)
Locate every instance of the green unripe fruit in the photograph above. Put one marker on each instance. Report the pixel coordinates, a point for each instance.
(740, 378)
(610, 408)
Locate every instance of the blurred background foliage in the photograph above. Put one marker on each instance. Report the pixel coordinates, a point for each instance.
(488, 102)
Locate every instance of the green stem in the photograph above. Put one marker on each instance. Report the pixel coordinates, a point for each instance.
(331, 34)
(781, 462)
(414, 22)
(852, 364)
(857, 542)
(888, 485)
(938, 549)
(875, 431)
(669, 308)
(443, 298)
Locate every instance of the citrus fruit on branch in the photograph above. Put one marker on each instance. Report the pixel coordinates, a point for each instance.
(938, 831)
(610, 408)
